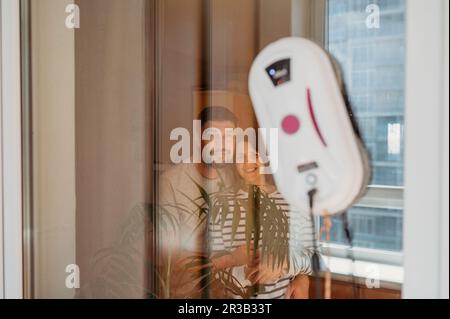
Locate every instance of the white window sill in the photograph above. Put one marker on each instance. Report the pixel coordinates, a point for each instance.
(388, 276)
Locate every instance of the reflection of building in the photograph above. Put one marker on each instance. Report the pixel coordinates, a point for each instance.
(373, 64)
(372, 61)
(372, 228)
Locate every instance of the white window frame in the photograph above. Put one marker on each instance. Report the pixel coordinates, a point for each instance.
(426, 214)
(11, 274)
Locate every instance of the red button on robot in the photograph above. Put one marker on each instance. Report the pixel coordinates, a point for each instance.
(290, 124)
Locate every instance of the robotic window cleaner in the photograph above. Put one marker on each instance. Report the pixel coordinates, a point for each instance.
(323, 166)
(294, 88)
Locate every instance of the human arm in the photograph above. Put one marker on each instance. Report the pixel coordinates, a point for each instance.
(298, 288)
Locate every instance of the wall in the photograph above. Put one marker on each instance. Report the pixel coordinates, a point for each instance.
(444, 267)
(179, 49)
(53, 114)
(211, 47)
(275, 21)
(10, 135)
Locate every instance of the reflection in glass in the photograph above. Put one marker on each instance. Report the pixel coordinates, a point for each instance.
(373, 65)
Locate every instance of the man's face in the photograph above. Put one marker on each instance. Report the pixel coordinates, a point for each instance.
(227, 149)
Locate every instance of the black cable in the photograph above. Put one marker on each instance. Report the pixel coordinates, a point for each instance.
(316, 258)
(315, 262)
(350, 255)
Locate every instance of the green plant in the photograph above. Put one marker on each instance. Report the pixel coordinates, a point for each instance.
(266, 228)
(266, 225)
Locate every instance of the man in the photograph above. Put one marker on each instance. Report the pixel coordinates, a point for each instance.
(182, 224)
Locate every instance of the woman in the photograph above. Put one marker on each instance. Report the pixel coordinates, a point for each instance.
(273, 273)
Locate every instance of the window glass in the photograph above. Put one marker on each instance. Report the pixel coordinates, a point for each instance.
(372, 59)
(125, 96)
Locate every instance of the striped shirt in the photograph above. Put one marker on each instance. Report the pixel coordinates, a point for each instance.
(299, 236)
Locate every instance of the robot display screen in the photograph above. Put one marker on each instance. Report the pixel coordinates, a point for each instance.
(280, 72)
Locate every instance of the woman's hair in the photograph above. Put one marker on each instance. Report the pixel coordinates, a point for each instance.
(217, 113)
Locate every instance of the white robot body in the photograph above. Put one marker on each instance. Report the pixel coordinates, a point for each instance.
(294, 88)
